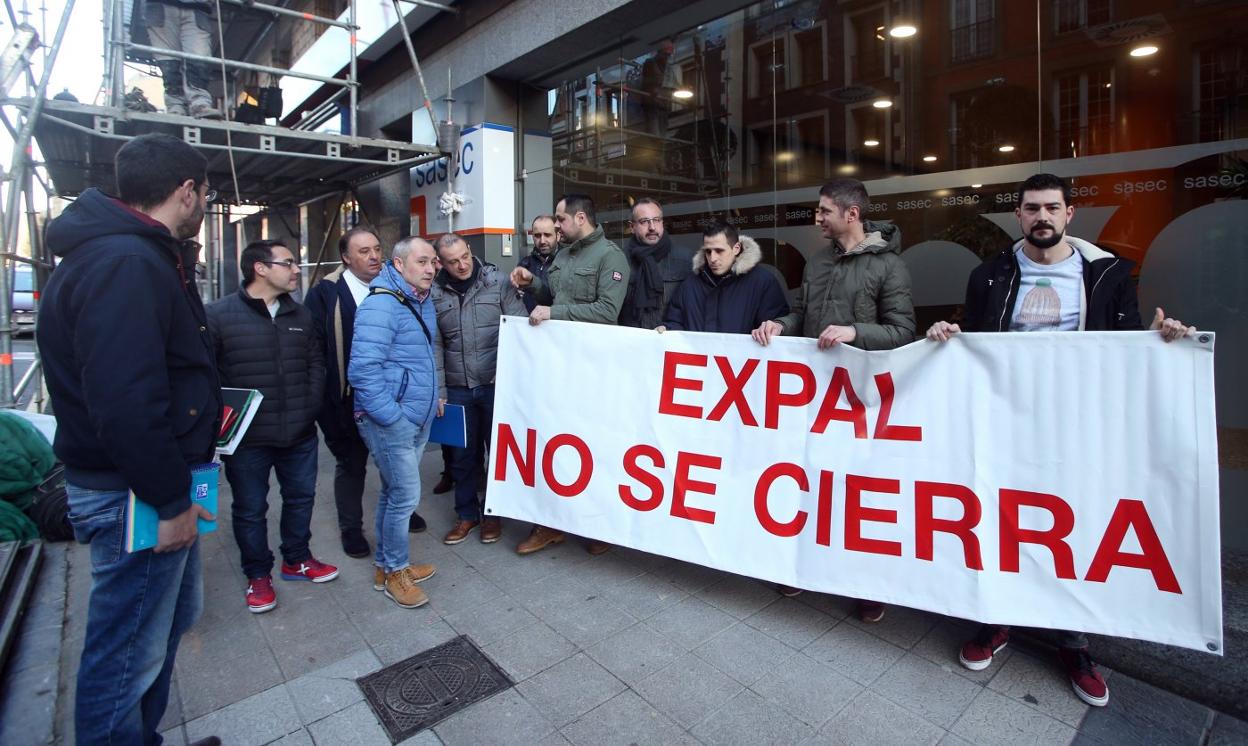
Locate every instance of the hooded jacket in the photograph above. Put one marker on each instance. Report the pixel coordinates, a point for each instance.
(733, 304)
(1109, 297)
(126, 352)
(392, 366)
(586, 281)
(278, 355)
(867, 288)
(466, 342)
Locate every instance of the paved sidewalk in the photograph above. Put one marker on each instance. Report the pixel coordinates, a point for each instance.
(625, 648)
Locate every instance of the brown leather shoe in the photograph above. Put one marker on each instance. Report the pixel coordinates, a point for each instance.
(379, 578)
(491, 530)
(421, 573)
(541, 538)
(444, 485)
(460, 531)
(597, 547)
(401, 588)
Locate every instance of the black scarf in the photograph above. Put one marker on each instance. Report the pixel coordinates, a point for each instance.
(645, 282)
(461, 286)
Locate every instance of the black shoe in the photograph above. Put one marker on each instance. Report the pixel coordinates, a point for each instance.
(354, 544)
(444, 485)
(209, 741)
(416, 524)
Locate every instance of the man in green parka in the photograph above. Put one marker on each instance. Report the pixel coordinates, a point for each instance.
(587, 281)
(855, 292)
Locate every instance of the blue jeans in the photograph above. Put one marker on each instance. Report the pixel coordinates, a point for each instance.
(396, 449)
(140, 606)
(467, 468)
(248, 474)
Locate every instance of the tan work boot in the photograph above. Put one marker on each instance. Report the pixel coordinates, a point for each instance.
(401, 588)
(420, 573)
(541, 538)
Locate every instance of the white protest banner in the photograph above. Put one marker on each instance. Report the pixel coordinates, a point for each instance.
(1048, 479)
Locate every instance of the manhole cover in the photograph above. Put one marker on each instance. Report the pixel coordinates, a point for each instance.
(413, 694)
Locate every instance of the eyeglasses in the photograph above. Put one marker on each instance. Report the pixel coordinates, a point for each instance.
(211, 196)
(647, 222)
(287, 263)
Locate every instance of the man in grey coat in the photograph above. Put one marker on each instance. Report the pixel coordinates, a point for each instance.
(657, 266)
(469, 297)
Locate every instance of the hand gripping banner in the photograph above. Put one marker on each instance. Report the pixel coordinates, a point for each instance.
(1063, 480)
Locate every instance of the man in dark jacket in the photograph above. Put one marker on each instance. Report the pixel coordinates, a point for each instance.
(469, 297)
(656, 265)
(545, 246)
(129, 365)
(728, 292)
(857, 292)
(265, 341)
(1065, 284)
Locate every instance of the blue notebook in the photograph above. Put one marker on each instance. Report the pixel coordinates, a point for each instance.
(142, 523)
(451, 429)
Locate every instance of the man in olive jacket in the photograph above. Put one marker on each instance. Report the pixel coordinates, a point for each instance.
(587, 281)
(469, 297)
(856, 292)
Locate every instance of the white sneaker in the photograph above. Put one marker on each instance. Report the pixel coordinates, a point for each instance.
(204, 110)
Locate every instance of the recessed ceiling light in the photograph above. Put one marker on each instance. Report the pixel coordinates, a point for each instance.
(682, 93)
(846, 169)
(870, 143)
(1006, 149)
(1144, 50)
(882, 103)
(929, 158)
(976, 186)
(902, 31)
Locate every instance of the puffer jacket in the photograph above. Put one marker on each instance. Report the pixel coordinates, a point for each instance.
(392, 366)
(867, 288)
(279, 356)
(735, 303)
(466, 344)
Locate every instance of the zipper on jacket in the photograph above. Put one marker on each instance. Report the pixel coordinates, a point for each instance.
(463, 339)
(1010, 290)
(1097, 284)
(281, 379)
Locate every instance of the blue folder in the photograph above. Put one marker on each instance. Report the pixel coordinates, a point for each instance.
(142, 523)
(451, 429)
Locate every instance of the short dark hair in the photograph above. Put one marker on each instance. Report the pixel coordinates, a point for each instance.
(1039, 183)
(544, 216)
(719, 226)
(151, 167)
(345, 239)
(446, 241)
(646, 201)
(257, 251)
(847, 193)
(575, 203)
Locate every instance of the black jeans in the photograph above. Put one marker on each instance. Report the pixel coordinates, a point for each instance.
(467, 469)
(351, 457)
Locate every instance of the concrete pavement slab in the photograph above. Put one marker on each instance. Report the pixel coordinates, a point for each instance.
(568, 690)
(921, 686)
(993, 718)
(688, 689)
(872, 720)
(812, 692)
(506, 718)
(749, 720)
(859, 655)
(626, 720)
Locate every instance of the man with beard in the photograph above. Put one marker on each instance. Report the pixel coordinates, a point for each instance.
(545, 246)
(657, 267)
(333, 302)
(1049, 281)
(129, 364)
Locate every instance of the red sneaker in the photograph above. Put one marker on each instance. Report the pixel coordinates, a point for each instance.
(989, 640)
(260, 594)
(1084, 678)
(309, 569)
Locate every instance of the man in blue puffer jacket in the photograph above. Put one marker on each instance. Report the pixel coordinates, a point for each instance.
(395, 376)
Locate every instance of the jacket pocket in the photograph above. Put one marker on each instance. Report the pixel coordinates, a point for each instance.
(402, 387)
(104, 530)
(584, 285)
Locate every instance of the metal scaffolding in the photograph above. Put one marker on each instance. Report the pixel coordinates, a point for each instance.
(248, 164)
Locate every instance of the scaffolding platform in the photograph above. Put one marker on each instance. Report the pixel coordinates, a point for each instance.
(275, 166)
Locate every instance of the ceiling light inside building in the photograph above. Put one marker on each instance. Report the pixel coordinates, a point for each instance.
(784, 156)
(882, 103)
(1144, 50)
(847, 169)
(879, 33)
(902, 30)
(1006, 149)
(871, 143)
(976, 186)
(682, 93)
(929, 158)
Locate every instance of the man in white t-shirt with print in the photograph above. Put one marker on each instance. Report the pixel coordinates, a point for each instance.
(1049, 281)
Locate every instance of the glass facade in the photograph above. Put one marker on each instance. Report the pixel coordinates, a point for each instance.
(941, 107)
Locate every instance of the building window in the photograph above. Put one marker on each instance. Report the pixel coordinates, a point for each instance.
(767, 68)
(1084, 108)
(959, 133)
(972, 30)
(1222, 92)
(1072, 15)
(867, 56)
(808, 56)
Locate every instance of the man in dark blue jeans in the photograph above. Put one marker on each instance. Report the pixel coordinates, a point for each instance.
(123, 340)
(266, 341)
(469, 297)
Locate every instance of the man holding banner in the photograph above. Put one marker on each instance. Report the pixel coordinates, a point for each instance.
(856, 293)
(1065, 284)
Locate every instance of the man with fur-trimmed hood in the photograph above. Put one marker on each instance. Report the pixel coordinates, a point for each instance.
(727, 291)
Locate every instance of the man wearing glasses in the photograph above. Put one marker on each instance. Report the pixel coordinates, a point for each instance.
(656, 265)
(264, 340)
(128, 361)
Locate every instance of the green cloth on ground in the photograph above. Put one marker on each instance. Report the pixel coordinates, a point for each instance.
(14, 525)
(25, 458)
